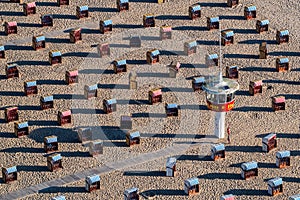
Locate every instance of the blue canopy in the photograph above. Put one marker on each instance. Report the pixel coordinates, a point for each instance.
(40, 38)
(283, 154)
(224, 197)
(111, 101)
(48, 15)
(92, 87)
(196, 8)
(155, 53)
(295, 197)
(121, 62)
(283, 60)
(249, 165)
(284, 32)
(135, 134)
(51, 139)
(22, 125)
(199, 80)
(2, 48)
(229, 34)
(11, 169)
(264, 22)
(123, 1)
(192, 181)
(275, 182)
(47, 98)
(218, 147)
(56, 157)
(214, 19)
(192, 44)
(59, 198)
(11, 65)
(83, 8)
(149, 16)
(92, 179)
(55, 53)
(130, 191)
(213, 56)
(171, 162)
(30, 83)
(250, 8)
(172, 105)
(107, 22)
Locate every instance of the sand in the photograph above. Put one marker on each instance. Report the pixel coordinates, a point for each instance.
(251, 119)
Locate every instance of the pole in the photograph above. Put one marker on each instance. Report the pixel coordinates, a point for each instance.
(220, 68)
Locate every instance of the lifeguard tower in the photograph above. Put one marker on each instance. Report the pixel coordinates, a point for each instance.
(220, 96)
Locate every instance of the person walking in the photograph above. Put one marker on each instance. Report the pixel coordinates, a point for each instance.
(228, 134)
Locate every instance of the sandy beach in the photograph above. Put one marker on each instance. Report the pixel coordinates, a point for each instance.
(187, 137)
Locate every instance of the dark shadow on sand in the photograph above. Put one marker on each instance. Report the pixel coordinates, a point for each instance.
(132, 102)
(113, 86)
(58, 40)
(247, 192)
(144, 173)
(68, 96)
(282, 82)
(231, 17)
(23, 24)
(242, 93)
(253, 109)
(166, 192)
(26, 107)
(18, 48)
(87, 111)
(64, 135)
(249, 149)
(127, 26)
(64, 16)
(241, 56)
(35, 168)
(257, 41)
(23, 150)
(281, 135)
(97, 71)
(12, 93)
(208, 4)
(148, 115)
(225, 176)
(172, 17)
(258, 69)
(136, 62)
(11, 13)
(100, 9)
(284, 53)
(74, 154)
(173, 135)
(194, 157)
(33, 62)
(174, 89)
(189, 28)
(51, 82)
(58, 189)
(47, 4)
(152, 74)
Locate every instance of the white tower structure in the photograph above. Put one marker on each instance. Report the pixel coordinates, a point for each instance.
(220, 96)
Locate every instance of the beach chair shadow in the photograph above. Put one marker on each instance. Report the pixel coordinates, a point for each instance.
(247, 192)
(58, 189)
(64, 135)
(172, 17)
(144, 173)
